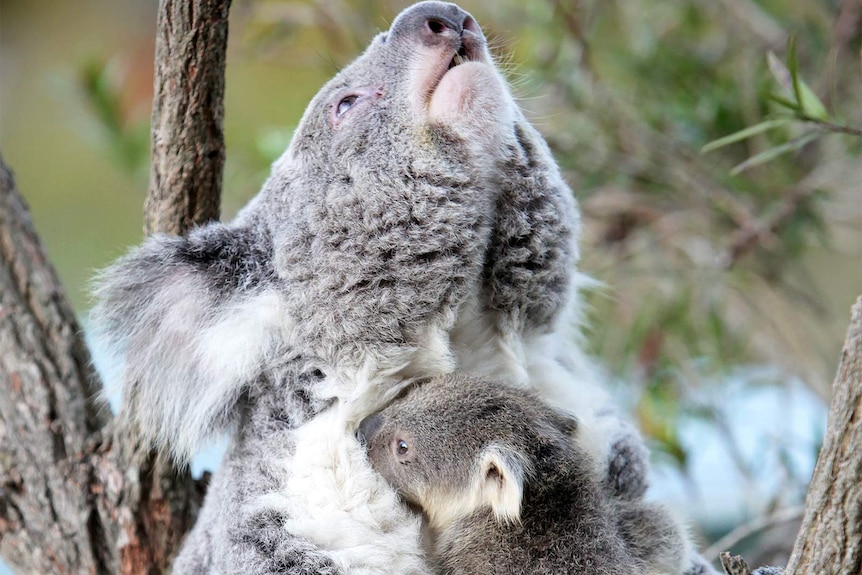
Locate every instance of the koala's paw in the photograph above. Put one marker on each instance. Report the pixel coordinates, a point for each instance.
(263, 546)
(627, 469)
(701, 566)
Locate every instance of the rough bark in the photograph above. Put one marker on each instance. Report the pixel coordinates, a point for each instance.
(187, 139)
(75, 495)
(830, 540)
(47, 416)
(73, 498)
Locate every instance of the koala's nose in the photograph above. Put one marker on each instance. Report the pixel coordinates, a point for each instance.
(433, 22)
(368, 427)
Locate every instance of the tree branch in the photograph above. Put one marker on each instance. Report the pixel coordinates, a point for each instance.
(188, 108)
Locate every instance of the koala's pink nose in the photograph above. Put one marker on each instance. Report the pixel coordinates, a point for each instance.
(433, 22)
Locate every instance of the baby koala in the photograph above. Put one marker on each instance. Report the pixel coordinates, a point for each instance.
(504, 489)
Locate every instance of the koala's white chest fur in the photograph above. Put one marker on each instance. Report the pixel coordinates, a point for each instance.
(334, 499)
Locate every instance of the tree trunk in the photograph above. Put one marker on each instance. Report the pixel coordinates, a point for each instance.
(75, 496)
(48, 420)
(830, 540)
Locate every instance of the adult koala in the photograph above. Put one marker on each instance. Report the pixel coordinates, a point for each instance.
(416, 224)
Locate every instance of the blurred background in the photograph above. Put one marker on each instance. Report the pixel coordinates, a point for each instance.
(726, 276)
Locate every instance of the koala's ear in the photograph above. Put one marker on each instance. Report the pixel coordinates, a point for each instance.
(190, 320)
(503, 475)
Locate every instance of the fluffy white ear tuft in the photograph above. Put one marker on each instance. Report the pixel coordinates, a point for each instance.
(504, 472)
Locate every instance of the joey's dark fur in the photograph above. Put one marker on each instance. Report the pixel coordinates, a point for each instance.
(505, 490)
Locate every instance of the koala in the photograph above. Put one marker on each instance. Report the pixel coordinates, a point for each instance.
(416, 225)
(505, 490)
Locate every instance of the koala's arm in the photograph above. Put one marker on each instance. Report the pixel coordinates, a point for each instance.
(237, 531)
(698, 565)
(191, 320)
(531, 272)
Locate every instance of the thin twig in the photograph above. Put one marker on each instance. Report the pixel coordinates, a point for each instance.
(753, 527)
(746, 238)
(832, 126)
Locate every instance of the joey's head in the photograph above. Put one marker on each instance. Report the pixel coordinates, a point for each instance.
(454, 445)
(424, 92)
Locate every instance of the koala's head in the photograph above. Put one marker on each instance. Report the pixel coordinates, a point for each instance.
(456, 444)
(425, 88)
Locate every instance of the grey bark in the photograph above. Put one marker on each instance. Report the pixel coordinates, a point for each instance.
(75, 495)
(47, 418)
(74, 498)
(187, 137)
(830, 540)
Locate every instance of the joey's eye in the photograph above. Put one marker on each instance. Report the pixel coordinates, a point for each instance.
(345, 104)
(401, 447)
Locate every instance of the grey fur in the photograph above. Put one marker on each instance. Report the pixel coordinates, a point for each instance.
(229, 538)
(368, 235)
(568, 522)
(381, 238)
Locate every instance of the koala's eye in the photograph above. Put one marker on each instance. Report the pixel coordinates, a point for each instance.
(345, 104)
(401, 447)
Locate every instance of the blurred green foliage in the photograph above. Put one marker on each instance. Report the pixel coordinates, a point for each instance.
(124, 138)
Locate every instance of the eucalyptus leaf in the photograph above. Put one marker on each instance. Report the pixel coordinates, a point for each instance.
(810, 105)
(782, 101)
(773, 153)
(779, 72)
(744, 134)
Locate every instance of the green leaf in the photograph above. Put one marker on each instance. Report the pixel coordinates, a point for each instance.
(808, 103)
(773, 153)
(782, 101)
(744, 134)
(779, 72)
(793, 67)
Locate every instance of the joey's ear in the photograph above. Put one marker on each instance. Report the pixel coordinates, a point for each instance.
(191, 320)
(503, 476)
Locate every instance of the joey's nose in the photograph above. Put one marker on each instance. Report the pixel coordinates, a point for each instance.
(433, 22)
